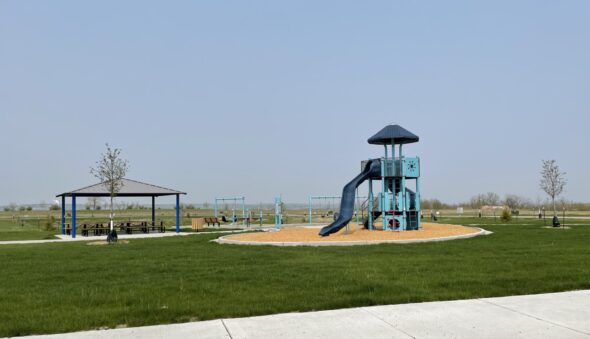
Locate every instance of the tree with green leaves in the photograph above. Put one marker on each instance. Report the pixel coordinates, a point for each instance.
(110, 169)
(552, 181)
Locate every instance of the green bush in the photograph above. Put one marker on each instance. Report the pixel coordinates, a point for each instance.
(54, 207)
(48, 223)
(506, 216)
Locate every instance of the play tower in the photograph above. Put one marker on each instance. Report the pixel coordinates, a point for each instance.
(396, 204)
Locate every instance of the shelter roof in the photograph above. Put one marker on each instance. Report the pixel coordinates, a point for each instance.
(129, 188)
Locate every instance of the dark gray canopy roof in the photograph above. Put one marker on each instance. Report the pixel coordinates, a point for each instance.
(129, 188)
(398, 134)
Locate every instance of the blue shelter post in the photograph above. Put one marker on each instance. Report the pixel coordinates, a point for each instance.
(63, 214)
(73, 216)
(153, 211)
(178, 213)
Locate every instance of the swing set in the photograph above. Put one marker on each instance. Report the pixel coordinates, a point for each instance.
(328, 206)
(236, 200)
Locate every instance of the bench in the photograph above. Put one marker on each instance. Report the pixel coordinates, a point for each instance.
(213, 221)
(86, 229)
(143, 227)
(96, 229)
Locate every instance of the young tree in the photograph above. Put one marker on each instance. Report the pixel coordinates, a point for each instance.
(492, 199)
(552, 181)
(110, 170)
(514, 201)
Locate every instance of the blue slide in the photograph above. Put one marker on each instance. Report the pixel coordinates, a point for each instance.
(372, 169)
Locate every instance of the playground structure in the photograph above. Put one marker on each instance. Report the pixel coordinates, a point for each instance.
(235, 201)
(332, 206)
(396, 204)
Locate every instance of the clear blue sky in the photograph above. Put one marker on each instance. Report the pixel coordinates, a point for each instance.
(266, 97)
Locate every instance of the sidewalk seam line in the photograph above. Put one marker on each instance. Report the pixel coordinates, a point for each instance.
(226, 329)
(532, 316)
(388, 323)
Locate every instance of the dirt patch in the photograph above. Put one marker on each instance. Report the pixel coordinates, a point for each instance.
(355, 233)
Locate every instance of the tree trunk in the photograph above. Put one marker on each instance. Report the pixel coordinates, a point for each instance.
(554, 209)
(111, 223)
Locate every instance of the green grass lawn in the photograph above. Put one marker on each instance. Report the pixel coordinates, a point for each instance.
(57, 287)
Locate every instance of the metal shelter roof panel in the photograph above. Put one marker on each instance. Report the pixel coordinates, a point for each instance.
(129, 188)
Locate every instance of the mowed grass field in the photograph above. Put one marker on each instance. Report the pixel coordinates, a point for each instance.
(32, 225)
(62, 287)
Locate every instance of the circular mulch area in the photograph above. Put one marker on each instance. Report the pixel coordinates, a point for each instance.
(308, 236)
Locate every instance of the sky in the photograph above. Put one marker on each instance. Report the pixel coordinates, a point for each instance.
(260, 98)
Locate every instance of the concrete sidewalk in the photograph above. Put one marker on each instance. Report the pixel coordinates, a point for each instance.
(554, 315)
(60, 238)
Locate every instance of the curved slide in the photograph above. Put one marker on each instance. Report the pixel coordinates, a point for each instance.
(372, 169)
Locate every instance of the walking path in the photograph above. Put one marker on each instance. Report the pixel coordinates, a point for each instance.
(554, 315)
(60, 238)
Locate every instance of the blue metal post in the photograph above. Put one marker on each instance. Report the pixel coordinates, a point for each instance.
(395, 173)
(153, 211)
(417, 202)
(403, 190)
(73, 217)
(370, 204)
(384, 195)
(278, 213)
(178, 213)
(63, 214)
